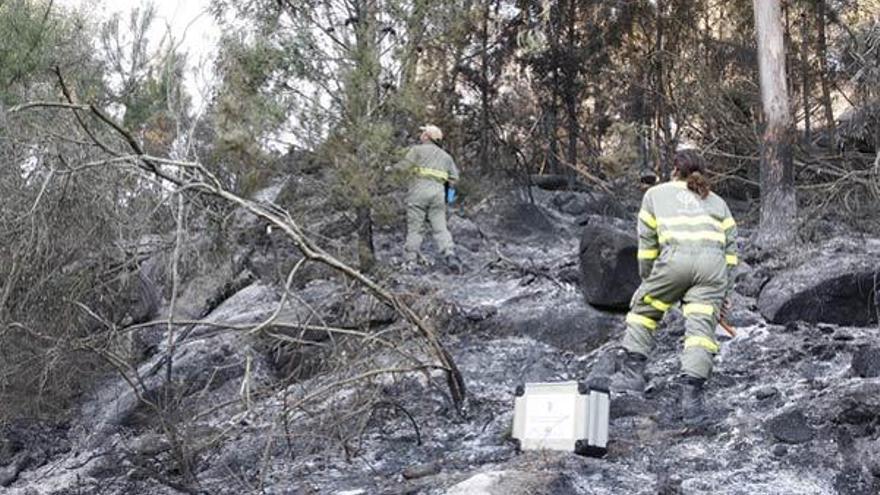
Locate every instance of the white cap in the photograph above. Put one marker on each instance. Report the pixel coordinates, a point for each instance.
(432, 131)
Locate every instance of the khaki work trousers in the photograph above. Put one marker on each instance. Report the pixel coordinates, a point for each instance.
(426, 207)
(696, 276)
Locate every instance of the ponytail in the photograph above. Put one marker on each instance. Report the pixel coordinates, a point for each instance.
(691, 168)
(698, 184)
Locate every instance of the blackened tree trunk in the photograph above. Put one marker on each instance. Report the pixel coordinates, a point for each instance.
(550, 126)
(484, 87)
(366, 250)
(778, 204)
(572, 89)
(822, 53)
(363, 94)
(806, 88)
(552, 115)
(662, 120)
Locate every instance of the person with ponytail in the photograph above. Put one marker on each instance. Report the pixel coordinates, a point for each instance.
(687, 249)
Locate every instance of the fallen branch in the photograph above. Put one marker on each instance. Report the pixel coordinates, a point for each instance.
(205, 182)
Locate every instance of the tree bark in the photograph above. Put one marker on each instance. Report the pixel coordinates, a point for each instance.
(366, 250)
(552, 115)
(662, 122)
(822, 53)
(363, 95)
(806, 89)
(484, 87)
(778, 203)
(571, 96)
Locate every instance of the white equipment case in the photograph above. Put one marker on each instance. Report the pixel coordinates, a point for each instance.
(567, 416)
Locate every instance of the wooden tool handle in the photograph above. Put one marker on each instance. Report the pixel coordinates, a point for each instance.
(727, 328)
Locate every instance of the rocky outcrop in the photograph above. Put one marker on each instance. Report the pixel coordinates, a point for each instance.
(836, 283)
(609, 270)
(206, 356)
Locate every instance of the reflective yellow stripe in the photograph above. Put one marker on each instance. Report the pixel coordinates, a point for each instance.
(700, 341)
(641, 320)
(699, 309)
(648, 254)
(702, 235)
(657, 304)
(731, 259)
(685, 220)
(728, 223)
(649, 219)
(432, 173)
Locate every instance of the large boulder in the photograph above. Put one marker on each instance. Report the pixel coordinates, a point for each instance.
(835, 283)
(609, 270)
(206, 356)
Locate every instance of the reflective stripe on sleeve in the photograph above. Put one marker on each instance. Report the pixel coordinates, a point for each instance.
(700, 341)
(656, 303)
(703, 235)
(641, 320)
(728, 223)
(698, 309)
(649, 219)
(432, 173)
(648, 254)
(731, 259)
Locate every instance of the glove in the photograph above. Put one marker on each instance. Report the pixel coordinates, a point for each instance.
(726, 307)
(450, 195)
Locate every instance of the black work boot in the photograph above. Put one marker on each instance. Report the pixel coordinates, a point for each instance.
(453, 264)
(630, 377)
(692, 410)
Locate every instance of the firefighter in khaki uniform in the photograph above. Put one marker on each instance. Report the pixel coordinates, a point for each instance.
(432, 168)
(687, 250)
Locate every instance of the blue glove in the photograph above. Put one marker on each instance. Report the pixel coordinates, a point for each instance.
(450, 195)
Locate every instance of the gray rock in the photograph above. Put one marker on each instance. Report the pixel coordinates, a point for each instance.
(855, 403)
(205, 358)
(513, 483)
(149, 445)
(750, 282)
(765, 393)
(592, 203)
(609, 271)
(421, 470)
(522, 221)
(790, 427)
(854, 481)
(465, 233)
(836, 283)
(566, 324)
(9, 474)
(481, 313)
(866, 362)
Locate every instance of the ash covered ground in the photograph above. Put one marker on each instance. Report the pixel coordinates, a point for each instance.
(794, 398)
